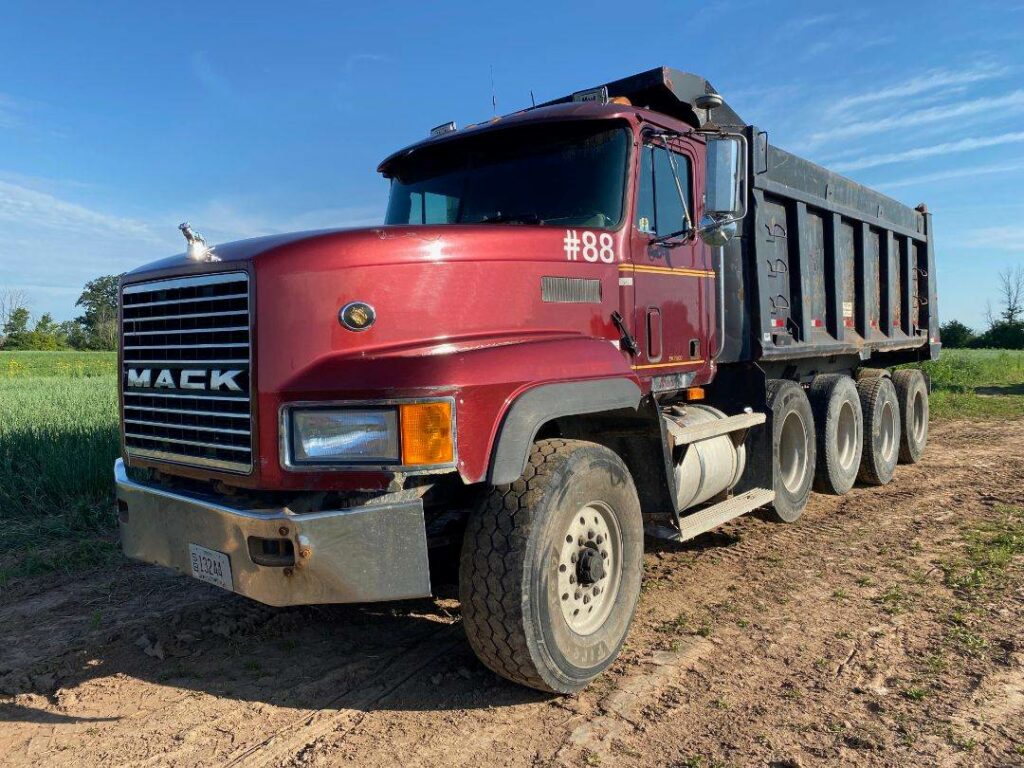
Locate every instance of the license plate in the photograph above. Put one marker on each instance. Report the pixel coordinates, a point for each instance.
(210, 566)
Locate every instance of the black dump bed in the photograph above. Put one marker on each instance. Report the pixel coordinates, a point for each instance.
(826, 266)
(822, 266)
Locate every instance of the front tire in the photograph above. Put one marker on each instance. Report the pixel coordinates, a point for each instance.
(551, 566)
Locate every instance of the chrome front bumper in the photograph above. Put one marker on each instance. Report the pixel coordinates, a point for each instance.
(363, 554)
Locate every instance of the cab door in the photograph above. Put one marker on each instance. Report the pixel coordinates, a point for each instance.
(673, 282)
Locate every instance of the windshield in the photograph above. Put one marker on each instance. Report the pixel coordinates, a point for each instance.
(558, 174)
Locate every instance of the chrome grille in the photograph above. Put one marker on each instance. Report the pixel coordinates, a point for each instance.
(186, 358)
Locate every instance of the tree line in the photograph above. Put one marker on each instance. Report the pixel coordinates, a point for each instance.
(94, 329)
(1005, 327)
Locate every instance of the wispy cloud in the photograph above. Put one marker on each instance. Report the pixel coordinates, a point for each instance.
(8, 111)
(210, 77)
(919, 153)
(1005, 238)
(935, 80)
(51, 246)
(1008, 104)
(26, 207)
(968, 172)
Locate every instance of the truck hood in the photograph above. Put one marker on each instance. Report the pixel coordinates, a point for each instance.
(374, 246)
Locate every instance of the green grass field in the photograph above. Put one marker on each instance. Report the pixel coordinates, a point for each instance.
(58, 442)
(977, 384)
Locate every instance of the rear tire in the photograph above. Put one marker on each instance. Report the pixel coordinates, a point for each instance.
(793, 448)
(912, 394)
(551, 567)
(840, 428)
(881, 429)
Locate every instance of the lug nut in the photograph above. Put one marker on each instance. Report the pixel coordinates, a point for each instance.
(577, 595)
(561, 568)
(597, 591)
(586, 599)
(590, 534)
(600, 539)
(572, 579)
(283, 531)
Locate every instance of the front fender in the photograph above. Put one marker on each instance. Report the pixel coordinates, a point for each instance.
(504, 390)
(551, 401)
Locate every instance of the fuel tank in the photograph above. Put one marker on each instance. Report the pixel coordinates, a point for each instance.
(707, 467)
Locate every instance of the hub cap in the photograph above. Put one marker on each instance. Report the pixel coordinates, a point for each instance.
(589, 568)
(793, 452)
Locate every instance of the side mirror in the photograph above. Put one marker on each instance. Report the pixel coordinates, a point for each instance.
(724, 189)
(724, 173)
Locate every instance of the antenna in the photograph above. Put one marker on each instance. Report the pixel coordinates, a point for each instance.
(533, 101)
(494, 98)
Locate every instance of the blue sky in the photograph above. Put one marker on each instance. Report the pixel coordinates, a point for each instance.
(119, 120)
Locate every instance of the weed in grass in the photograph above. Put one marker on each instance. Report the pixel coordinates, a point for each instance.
(893, 600)
(840, 594)
(962, 743)
(991, 547)
(864, 581)
(915, 694)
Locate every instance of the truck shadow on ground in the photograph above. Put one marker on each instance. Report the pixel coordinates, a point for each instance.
(397, 656)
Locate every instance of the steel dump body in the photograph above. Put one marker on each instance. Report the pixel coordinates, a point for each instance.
(825, 266)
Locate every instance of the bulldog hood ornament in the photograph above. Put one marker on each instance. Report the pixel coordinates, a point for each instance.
(198, 250)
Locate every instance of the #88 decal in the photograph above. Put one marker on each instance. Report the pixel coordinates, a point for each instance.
(591, 246)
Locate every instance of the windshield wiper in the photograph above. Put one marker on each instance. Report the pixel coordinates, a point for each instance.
(511, 218)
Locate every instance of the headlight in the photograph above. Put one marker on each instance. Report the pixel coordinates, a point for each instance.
(417, 434)
(349, 435)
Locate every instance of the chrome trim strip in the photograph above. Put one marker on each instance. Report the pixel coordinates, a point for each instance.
(194, 461)
(233, 345)
(188, 413)
(189, 330)
(182, 362)
(240, 399)
(225, 297)
(159, 439)
(218, 430)
(187, 282)
(185, 317)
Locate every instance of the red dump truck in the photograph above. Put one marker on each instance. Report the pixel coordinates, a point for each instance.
(622, 313)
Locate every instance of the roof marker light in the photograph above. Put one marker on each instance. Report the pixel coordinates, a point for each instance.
(441, 130)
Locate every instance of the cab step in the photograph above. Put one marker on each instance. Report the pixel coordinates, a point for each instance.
(736, 426)
(691, 526)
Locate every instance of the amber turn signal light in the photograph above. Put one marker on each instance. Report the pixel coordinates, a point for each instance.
(427, 433)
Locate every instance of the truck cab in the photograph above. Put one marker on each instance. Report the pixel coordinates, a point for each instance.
(560, 338)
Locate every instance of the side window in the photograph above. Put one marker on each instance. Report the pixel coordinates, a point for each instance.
(659, 210)
(645, 193)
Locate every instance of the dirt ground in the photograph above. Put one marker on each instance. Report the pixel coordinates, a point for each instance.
(845, 638)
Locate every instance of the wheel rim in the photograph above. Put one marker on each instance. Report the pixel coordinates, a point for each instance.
(846, 436)
(888, 432)
(919, 419)
(793, 452)
(589, 567)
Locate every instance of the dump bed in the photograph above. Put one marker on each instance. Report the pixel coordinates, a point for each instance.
(825, 266)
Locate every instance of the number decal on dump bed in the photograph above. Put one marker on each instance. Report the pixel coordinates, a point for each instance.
(593, 247)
